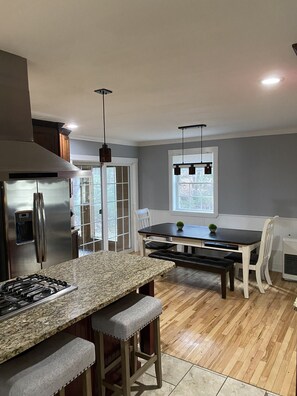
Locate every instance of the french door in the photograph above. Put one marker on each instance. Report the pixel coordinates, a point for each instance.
(102, 204)
(87, 209)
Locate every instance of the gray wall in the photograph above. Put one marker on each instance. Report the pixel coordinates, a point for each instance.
(83, 147)
(257, 175)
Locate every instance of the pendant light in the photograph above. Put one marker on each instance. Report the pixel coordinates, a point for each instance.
(104, 151)
(192, 166)
(177, 166)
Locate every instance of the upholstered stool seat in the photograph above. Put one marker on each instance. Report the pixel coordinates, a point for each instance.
(47, 368)
(123, 320)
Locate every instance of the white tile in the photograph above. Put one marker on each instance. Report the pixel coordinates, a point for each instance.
(173, 369)
(146, 385)
(271, 394)
(199, 382)
(233, 387)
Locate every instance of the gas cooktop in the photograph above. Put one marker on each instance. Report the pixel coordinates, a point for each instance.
(26, 292)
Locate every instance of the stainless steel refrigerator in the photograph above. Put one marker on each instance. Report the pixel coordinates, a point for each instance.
(36, 229)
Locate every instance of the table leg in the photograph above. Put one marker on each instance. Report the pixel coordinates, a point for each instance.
(141, 245)
(246, 254)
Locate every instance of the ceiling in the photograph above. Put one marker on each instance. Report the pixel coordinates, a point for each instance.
(168, 63)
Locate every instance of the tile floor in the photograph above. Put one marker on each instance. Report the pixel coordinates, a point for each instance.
(181, 378)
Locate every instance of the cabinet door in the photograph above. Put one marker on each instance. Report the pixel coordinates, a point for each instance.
(74, 235)
(64, 147)
(47, 138)
(52, 136)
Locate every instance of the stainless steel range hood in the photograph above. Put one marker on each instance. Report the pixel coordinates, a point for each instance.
(20, 157)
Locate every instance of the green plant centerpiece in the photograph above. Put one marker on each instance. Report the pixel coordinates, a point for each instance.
(212, 228)
(180, 225)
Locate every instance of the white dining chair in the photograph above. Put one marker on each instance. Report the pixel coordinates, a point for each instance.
(258, 262)
(143, 220)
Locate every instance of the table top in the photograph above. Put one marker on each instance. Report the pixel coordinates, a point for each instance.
(102, 278)
(224, 235)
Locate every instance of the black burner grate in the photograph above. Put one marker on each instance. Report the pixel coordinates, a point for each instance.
(25, 292)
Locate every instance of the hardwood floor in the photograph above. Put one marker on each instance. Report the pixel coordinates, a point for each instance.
(251, 340)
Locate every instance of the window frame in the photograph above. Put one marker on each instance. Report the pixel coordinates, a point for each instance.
(191, 151)
(132, 162)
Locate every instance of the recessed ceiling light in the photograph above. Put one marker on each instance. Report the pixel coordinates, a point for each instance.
(71, 125)
(271, 80)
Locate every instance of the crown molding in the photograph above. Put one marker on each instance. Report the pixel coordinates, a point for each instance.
(110, 140)
(234, 135)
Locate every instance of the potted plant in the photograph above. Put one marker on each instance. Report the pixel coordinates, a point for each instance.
(212, 228)
(179, 225)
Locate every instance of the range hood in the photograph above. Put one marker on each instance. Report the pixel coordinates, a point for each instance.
(20, 157)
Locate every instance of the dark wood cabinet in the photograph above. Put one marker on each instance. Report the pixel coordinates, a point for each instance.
(64, 146)
(74, 238)
(52, 136)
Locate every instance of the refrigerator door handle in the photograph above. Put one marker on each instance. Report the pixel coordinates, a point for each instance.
(43, 225)
(37, 228)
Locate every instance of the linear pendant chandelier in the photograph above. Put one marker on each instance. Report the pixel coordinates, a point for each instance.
(192, 165)
(104, 151)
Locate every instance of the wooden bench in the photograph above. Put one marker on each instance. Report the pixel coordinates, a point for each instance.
(216, 265)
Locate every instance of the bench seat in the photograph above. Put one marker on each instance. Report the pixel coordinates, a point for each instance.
(203, 263)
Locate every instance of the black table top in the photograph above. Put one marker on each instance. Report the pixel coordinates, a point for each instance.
(226, 235)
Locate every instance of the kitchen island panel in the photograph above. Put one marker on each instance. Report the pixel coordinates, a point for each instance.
(102, 278)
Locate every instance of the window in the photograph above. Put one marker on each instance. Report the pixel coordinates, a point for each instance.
(195, 194)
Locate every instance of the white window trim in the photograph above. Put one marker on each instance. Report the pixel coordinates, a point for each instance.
(205, 150)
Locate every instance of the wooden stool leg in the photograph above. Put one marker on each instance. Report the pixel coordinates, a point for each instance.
(125, 352)
(231, 277)
(158, 364)
(87, 382)
(223, 284)
(133, 356)
(62, 392)
(100, 364)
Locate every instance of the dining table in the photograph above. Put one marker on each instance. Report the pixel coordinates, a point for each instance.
(224, 239)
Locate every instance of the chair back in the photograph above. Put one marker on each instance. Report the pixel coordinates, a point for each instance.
(143, 218)
(266, 242)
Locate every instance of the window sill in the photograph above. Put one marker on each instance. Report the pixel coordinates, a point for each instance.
(193, 214)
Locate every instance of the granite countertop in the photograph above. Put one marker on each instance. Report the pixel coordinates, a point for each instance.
(101, 278)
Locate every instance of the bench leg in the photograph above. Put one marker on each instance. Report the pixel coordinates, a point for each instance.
(189, 249)
(223, 284)
(231, 277)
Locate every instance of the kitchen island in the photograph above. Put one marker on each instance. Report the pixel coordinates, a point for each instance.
(101, 278)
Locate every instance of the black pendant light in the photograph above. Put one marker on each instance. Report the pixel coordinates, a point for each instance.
(104, 151)
(192, 170)
(207, 169)
(176, 167)
(192, 166)
(177, 170)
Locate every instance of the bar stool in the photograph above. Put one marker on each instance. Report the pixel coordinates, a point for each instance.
(47, 368)
(123, 320)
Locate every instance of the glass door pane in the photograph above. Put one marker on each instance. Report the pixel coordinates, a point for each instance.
(118, 208)
(87, 210)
